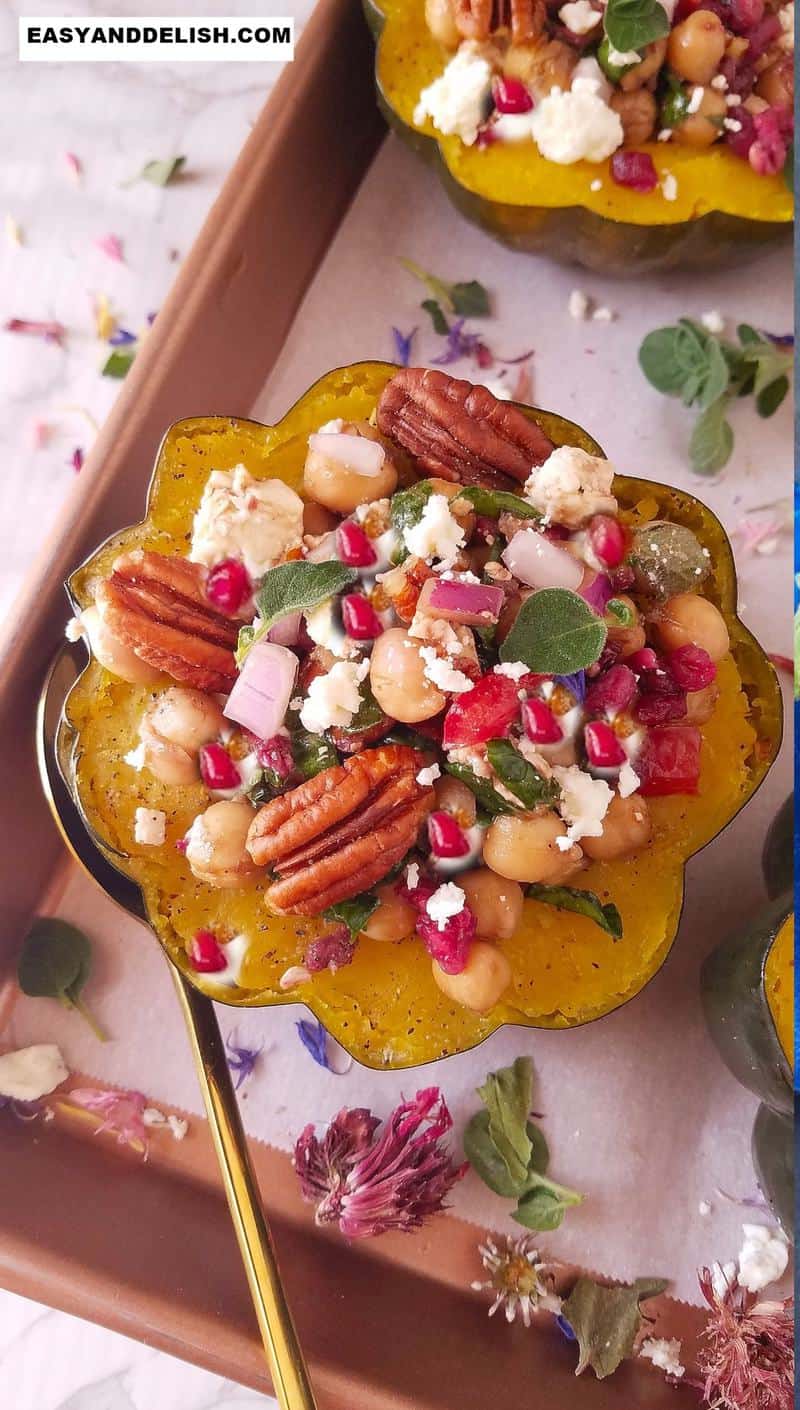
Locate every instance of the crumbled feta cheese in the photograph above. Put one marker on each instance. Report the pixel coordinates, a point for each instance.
(234, 951)
(734, 100)
(446, 901)
(572, 486)
(762, 1258)
(576, 126)
(429, 775)
(29, 1073)
(704, 1208)
(669, 187)
(438, 535)
(154, 1117)
(150, 827)
(623, 58)
(515, 670)
(332, 428)
(583, 803)
(786, 17)
(664, 1353)
(713, 321)
(731, 124)
(456, 101)
(75, 629)
(664, 135)
(719, 82)
(256, 521)
(412, 875)
(578, 305)
(324, 629)
(693, 105)
(603, 315)
(628, 781)
(199, 847)
(723, 1276)
(579, 16)
(596, 185)
(535, 755)
(442, 674)
(333, 699)
(136, 757)
(589, 69)
(513, 127)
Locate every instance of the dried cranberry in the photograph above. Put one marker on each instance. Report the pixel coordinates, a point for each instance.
(740, 142)
(485, 712)
(669, 761)
(634, 170)
(330, 951)
(449, 944)
(360, 620)
(767, 155)
(660, 709)
(611, 692)
(511, 96)
(603, 749)
(485, 529)
(228, 585)
(206, 955)
(417, 896)
(540, 724)
(275, 754)
(692, 667)
(217, 768)
(607, 538)
(762, 36)
(353, 546)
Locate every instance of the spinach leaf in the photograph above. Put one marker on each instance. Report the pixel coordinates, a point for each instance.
(492, 503)
(55, 963)
(407, 508)
(312, 753)
(520, 777)
(583, 903)
(492, 802)
(606, 1321)
(353, 913)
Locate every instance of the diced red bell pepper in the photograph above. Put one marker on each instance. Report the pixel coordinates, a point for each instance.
(670, 760)
(485, 712)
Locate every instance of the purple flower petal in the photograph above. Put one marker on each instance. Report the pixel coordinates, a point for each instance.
(241, 1060)
(402, 345)
(575, 684)
(315, 1041)
(564, 1326)
(121, 338)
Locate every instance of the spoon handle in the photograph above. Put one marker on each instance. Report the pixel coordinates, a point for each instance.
(284, 1355)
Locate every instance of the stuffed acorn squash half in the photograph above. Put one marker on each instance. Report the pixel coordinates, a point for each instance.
(628, 139)
(408, 708)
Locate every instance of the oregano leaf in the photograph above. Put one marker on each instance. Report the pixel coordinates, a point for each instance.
(353, 913)
(492, 802)
(556, 633)
(492, 503)
(296, 586)
(632, 24)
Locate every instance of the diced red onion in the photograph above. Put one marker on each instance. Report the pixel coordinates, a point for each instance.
(539, 563)
(261, 695)
(356, 452)
(470, 603)
(597, 592)
(286, 632)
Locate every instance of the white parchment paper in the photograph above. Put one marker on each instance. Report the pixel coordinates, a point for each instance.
(639, 1112)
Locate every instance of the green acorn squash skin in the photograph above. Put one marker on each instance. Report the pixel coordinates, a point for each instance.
(778, 858)
(617, 236)
(772, 1146)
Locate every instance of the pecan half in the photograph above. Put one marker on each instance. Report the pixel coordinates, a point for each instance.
(478, 19)
(458, 431)
(157, 606)
(340, 832)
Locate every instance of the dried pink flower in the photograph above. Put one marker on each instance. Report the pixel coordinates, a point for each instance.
(111, 245)
(368, 1183)
(50, 329)
(748, 1357)
(123, 1113)
(74, 165)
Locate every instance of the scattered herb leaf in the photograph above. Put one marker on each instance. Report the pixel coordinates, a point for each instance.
(492, 802)
(631, 24)
(623, 614)
(468, 299)
(440, 323)
(507, 1096)
(555, 633)
(353, 913)
(118, 363)
(159, 173)
(312, 753)
(520, 777)
(492, 503)
(407, 508)
(583, 903)
(55, 963)
(711, 441)
(606, 1321)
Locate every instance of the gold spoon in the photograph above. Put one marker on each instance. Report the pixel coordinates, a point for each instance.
(285, 1358)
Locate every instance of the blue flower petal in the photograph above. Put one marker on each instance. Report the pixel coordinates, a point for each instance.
(315, 1041)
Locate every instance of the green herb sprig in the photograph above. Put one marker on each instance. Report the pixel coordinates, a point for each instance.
(159, 173)
(510, 1154)
(55, 963)
(296, 586)
(119, 363)
(707, 372)
(492, 503)
(465, 299)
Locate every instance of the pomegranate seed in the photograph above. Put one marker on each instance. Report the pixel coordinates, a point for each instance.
(611, 692)
(353, 546)
(361, 621)
(446, 837)
(607, 540)
(661, 709)
(539, 722)
(644, 660)
(182, 845)
(449, 945)
(603, 749)
(330, 951)
(206, 955)
(634, 170)
(692, 667)
(228, 585)
(511, 96)
(275, 754)
(217, 768)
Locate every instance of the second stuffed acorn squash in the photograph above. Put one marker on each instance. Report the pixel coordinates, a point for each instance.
(722, 211)
(384, 1006)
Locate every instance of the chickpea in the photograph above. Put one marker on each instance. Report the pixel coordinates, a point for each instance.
(483, 980)
(700, 704)
(440, 22)
(114, 655)
(453, 796)
(637, 112)
(626, 828)
(702, 128)
(649, 67)
(689, 620)
(627, 640)
(318, 520)
(696, 45)
(541, 64)
(495, 902)
(216, 850)
(339, 487)
(524, 849)
(776, 84)
(398, 680)
(174, 728)
(393, 919)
